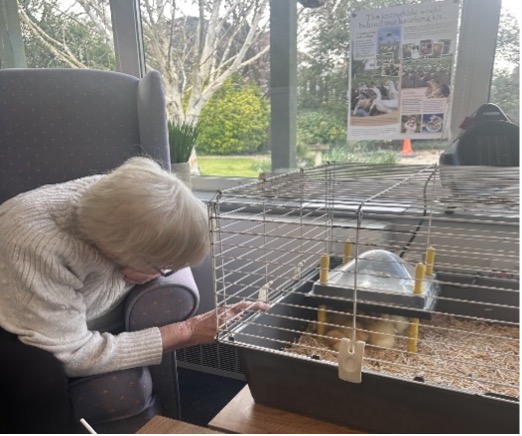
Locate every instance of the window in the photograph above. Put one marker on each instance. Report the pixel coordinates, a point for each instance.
(259, 76)
(56, 34)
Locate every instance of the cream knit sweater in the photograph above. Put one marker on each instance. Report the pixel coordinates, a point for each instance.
(53, 284)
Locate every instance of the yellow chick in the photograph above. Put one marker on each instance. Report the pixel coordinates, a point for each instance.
(344, 329)
(380, 332)
(383, 330)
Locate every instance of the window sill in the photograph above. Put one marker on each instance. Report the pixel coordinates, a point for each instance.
(206, 187)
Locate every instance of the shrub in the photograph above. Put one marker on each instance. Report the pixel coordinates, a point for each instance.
(234, 121)
(319, 127)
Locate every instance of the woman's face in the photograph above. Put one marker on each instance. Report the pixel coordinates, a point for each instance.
(135, 277)
(132, 275)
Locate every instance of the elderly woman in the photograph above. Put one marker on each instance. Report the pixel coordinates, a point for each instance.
(69, 253)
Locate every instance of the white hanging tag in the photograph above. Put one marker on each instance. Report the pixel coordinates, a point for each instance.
(298, 271)
(263, 292)
(350, 360)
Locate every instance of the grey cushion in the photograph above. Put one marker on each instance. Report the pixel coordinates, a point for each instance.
(61, 124)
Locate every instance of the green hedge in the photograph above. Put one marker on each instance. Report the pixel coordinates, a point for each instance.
(234, 121)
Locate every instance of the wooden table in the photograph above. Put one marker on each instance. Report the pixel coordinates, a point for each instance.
(243, 415)
(163, 425)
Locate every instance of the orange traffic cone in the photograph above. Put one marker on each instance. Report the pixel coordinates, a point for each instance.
(407, 151)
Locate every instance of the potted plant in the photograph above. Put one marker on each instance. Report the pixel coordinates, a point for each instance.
(182, 140)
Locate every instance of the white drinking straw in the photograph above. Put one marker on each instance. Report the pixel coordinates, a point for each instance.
(87, 426)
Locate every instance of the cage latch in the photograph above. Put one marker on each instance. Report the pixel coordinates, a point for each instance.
(350, 360)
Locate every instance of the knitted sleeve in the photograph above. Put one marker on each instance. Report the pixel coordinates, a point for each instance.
(41, 301)
(47, 312)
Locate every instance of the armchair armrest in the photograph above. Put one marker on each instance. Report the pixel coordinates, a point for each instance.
(162, 301)
(159, 302)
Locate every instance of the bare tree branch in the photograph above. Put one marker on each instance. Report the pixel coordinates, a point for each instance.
(100, 19)
(196, 44)
(59, 49)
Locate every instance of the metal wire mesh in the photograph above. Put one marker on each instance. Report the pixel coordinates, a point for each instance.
(342, 250)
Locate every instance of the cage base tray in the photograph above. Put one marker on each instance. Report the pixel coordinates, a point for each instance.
(380, 404)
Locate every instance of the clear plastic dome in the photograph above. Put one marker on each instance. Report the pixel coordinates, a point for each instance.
(376, 270)
(378, 277)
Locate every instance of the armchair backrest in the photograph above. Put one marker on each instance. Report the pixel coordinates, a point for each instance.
(61, 124)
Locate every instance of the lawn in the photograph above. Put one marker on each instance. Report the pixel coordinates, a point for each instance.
(232, 166)
(251, 166)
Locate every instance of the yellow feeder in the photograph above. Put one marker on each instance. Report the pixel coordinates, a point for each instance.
(325, 269)
(413, 335)
(347, 252)
(420, 273)
(413, 331)
(430, 260)
(321, 319)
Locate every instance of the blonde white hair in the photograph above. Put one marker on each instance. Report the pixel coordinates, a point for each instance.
(145, 217)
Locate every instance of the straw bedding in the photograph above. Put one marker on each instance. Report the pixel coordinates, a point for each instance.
(454, 353)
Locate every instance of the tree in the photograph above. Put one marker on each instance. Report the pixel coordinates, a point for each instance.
(56, 38)
(197, 45)
(505, 93)
(508, 40)
(505, 86)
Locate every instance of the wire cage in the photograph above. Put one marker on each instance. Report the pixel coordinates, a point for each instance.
(385, 284)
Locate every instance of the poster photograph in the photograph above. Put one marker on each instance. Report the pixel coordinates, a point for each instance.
(402, 60)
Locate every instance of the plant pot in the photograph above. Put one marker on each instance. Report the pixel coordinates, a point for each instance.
(182, 172)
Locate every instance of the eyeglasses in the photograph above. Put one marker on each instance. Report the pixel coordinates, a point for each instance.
(164, 272)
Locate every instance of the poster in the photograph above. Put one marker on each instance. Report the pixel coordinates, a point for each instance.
(401, 71)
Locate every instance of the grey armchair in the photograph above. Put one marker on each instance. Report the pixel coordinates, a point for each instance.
(61, 124)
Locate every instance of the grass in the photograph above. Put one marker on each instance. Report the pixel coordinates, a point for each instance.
(251, 166)
(232, 166)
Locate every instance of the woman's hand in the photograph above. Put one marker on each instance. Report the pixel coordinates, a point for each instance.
(202, 329)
